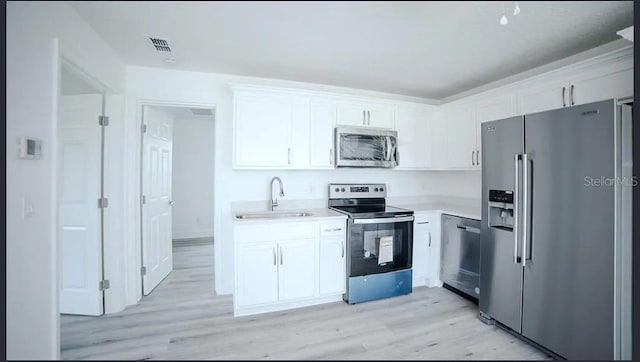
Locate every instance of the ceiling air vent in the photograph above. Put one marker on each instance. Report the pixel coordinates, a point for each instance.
(201, 112)
(161, 45)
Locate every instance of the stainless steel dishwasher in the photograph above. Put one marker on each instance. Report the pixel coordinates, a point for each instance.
(460, 255)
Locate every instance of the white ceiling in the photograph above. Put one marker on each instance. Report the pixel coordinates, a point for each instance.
(425, 49)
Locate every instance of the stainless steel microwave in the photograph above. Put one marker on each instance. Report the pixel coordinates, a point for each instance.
(366, 147)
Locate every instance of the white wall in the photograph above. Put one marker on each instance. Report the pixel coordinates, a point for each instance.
(206, 89)
(192, 184)
(460, 183)
(36, 34)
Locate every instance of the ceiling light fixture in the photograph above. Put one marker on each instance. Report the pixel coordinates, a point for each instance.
(516, 10)
(503, 19)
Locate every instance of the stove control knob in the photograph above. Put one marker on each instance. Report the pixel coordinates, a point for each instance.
(381, 189)
(342, 189)
(376, 189)
(337, 189)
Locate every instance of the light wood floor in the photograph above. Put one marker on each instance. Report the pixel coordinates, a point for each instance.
(183, 319)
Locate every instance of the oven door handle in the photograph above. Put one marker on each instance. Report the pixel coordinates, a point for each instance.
(386, 220)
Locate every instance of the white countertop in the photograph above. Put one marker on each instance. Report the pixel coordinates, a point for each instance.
(316, 215)
(463, 207)
(458, 206)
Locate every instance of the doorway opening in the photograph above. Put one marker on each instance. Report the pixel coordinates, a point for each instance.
(80, 192)
(176, 192)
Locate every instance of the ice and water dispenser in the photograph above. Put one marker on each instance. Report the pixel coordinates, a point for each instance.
(501, 209)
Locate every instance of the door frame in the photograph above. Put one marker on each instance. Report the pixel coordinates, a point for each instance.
(103, 90)
(139, 113)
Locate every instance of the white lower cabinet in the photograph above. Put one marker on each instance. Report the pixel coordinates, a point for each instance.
(332, 265)
(296, 269)
(257, 277)
(426, 256)
(287, 265)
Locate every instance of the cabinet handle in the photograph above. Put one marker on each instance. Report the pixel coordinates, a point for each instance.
(477, 157)
(472, 161)
(564, 90)
(274, 256)
(342, 244)
(571, 95)
(328, 230)
(429, 238)
(330, 156)
(424, 222)
(364, 117)
(369, 118)
(281, 259)
(289, 155)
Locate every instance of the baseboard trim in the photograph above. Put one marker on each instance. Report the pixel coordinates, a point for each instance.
(197, 234)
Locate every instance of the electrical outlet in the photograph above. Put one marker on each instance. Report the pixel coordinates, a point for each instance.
(311, 189)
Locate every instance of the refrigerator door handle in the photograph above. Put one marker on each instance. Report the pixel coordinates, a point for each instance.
(516, 211)
(525, 207)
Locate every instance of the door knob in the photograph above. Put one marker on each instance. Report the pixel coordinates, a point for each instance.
(171, 202)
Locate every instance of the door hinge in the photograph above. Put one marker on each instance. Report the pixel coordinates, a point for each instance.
(143, 200)
(143, 270)
(103, 203)
(144, 128)
(103, 120)
(103, 285)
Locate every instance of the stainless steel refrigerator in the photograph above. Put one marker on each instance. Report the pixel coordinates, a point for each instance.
(555, 237)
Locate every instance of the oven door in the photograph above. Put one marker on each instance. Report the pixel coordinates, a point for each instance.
(366, 147)
(379, 245)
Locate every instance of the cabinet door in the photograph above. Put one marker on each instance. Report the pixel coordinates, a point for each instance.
(434, 244)
(380, 116)
(421, 256)
(461, 136)
(414, 139)
(262, 126)
(332, 266)
(256, 273)
(351, 114)
(321, 128)
(543, 97)
(297, 276)
(600, 85)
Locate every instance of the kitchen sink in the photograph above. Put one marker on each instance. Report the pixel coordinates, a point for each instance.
(272, 215)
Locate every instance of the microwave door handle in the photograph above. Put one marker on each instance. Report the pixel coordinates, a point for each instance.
(389, 145)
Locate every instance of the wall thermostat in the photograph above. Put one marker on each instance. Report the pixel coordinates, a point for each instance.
(30, 148)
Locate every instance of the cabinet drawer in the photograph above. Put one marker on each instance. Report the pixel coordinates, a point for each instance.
(285, 231)
(334, 228)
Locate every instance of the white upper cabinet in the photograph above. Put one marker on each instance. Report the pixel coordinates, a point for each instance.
(571, 87)
(543, 96)
(499, 106)
(262, 130)
(362, 114)
(414, 127)
(615, 81)
(322, 121)
(461, 136)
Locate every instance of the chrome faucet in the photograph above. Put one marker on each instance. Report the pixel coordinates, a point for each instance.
(274, 203)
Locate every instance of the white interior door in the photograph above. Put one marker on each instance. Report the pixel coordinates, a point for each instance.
(79, 225)
(157, 258)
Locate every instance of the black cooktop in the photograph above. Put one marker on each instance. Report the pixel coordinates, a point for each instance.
(367, 208)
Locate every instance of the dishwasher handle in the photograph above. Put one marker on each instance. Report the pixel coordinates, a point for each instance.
(469, 229)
